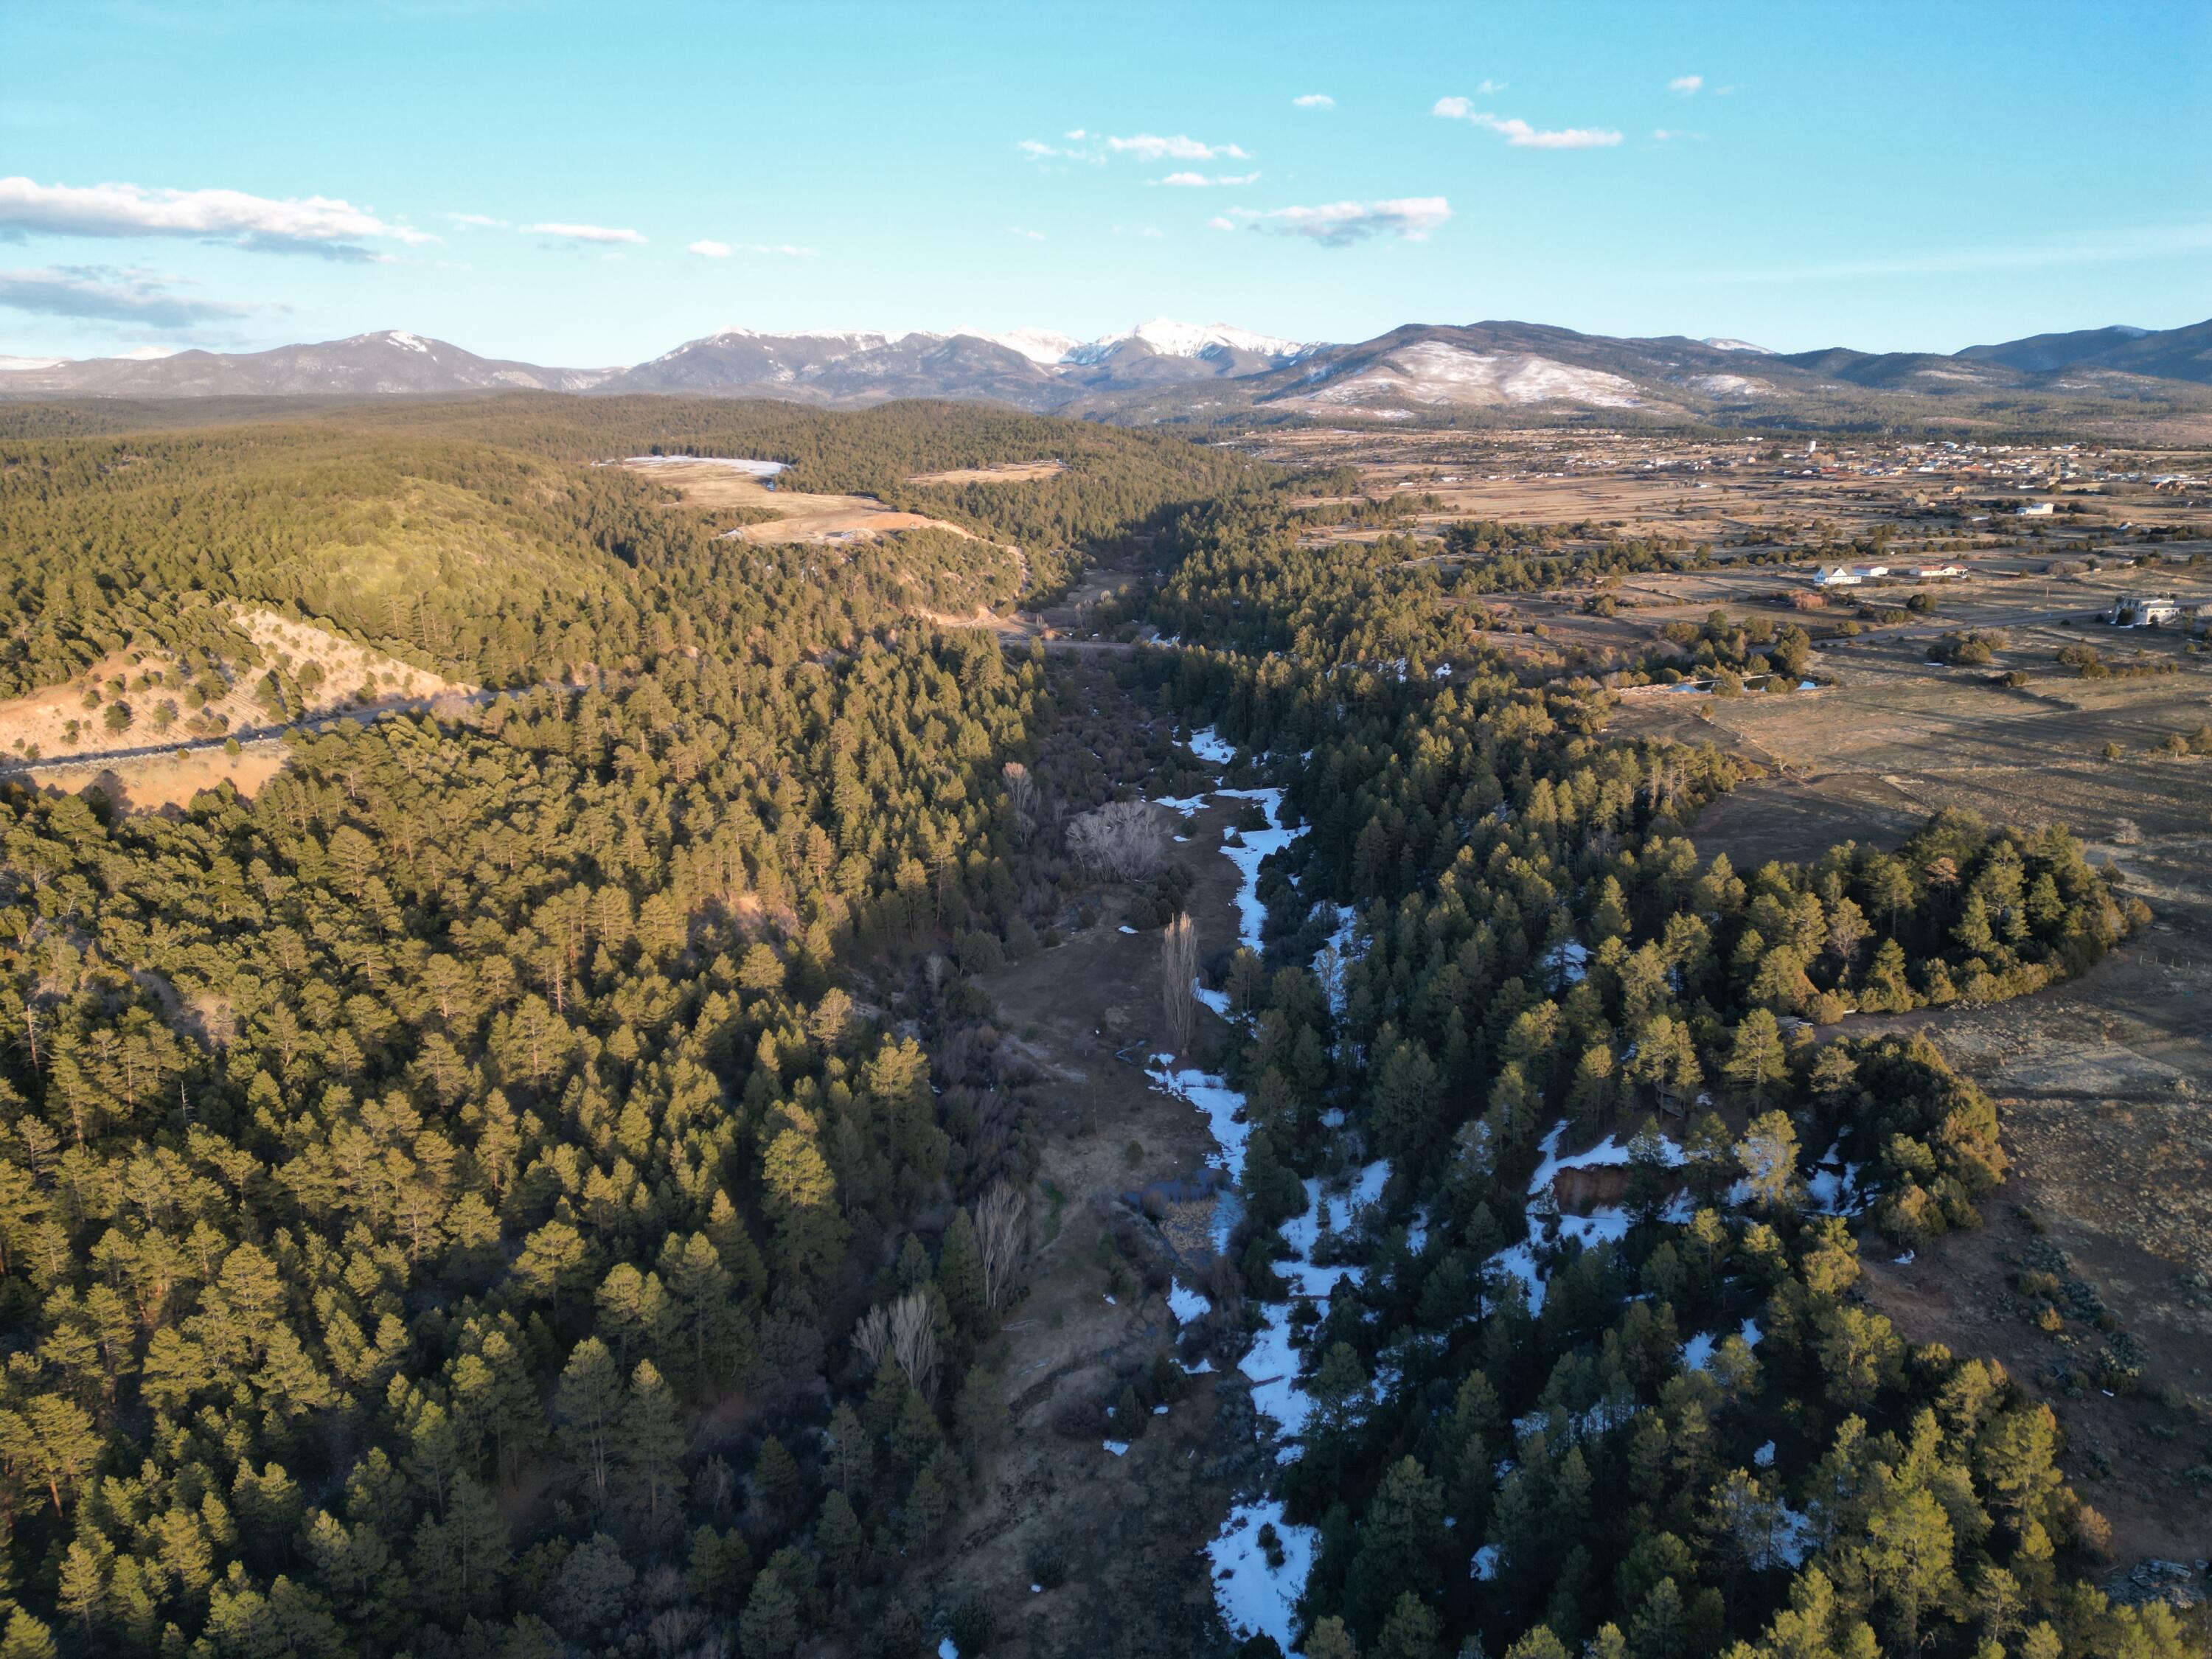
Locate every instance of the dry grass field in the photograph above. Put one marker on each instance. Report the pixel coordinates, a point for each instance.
(1005, 472)
(800, 517)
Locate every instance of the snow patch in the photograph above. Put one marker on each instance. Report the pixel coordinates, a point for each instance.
(1256, 1598)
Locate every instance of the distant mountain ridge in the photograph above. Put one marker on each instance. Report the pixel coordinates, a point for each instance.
(1165, 370)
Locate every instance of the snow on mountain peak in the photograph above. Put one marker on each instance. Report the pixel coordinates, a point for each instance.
(1173, 340)
(1720, 344)
(1040, 345)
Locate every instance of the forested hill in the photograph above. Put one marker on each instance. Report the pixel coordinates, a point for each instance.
(403, 1170)
(474, 536)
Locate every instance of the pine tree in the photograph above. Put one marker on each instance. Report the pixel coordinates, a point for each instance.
(768, 1628)
(837, 1534)
(960, 1276)
(587, 1410)
(650, 1449)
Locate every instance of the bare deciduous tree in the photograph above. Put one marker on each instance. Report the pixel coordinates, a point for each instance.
(906, 1334)
(913, 1339)
(1000, 1236)
(872, 1336)
(1178, 982)
(1021, 795)
(1126, 840)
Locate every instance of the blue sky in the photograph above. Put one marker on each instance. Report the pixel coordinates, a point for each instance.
(590, 185)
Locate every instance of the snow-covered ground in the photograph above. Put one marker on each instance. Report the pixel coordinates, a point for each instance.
(1254, 1597)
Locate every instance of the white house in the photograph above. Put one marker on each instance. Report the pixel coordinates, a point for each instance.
(2145, 610)
(2036, 510)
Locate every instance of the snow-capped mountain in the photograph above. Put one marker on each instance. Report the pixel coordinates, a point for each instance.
(1172, 339)
(392, 361)
(1165, 370)
(1040, 345)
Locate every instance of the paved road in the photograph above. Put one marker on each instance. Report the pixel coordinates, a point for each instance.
(244, 736)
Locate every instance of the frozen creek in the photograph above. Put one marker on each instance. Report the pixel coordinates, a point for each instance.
(1254, 1594)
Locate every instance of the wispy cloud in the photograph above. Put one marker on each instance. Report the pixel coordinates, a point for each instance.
(1519, 134)
(1314, 101)
(781, 250)
(588, 234)
(1688, 85)
(1487, 87)
(1026, 236)
(1201, 181)
(707, 250)
(320, 225)
(1339, 224)
(1150, 147)
(143, 297)
(2119, 246)
(476, 221)
(1047, 156)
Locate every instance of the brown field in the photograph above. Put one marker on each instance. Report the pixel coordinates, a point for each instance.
(1005, 472)
(1746, 492)
(800, 517)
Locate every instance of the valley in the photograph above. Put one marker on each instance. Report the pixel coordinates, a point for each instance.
(1636, 992)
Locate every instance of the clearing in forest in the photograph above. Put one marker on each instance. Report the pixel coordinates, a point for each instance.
(800, 516)
(1001, 472)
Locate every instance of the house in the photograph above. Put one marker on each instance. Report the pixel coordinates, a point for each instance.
(2145, 610)
(2036, 510)
(1835, 576)
(1936, 573)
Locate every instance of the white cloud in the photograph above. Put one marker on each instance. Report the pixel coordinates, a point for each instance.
(1665, 135)
(1200, 181)
(783, 250)
(1152, 231)
(1041, 153)
(1688, 85)
(143, 297)
(1150, 147)
(1026, 236)
(707, 250)
(1219, 223)
(1489, 86)
(1314, 101)
(1075, 134)
(1339, 224)
(321, 225)
(476, 221)
(589, 234)
(1519, 134)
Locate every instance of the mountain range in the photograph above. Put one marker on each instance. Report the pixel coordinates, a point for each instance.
(1163, 370)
